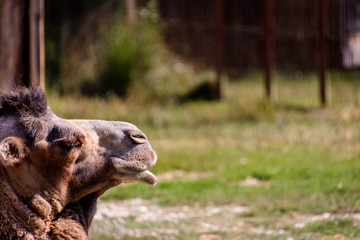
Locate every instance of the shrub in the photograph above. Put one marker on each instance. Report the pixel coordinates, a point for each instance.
(127, 54)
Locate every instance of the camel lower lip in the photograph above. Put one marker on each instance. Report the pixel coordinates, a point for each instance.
(146, 177)
(133, 172)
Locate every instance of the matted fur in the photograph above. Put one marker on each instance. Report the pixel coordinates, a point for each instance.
(23, 102)
(30, 107)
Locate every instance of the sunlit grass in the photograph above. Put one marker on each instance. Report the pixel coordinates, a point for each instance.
(345, 227)
(297, 88)
(305, 178)
(310, 160)
(306, 159)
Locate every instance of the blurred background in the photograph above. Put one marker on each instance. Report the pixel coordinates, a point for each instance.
(251, 105)
(292, 52)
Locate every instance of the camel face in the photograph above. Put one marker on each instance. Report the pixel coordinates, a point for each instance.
(50, 162)
(116, 151)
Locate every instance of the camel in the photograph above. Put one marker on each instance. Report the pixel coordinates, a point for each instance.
(53, 170)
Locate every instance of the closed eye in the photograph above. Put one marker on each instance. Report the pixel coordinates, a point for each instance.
(69, 144)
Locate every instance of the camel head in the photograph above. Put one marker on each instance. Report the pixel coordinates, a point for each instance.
(50, 162)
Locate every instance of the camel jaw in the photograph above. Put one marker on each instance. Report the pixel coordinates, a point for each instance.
(129, 172)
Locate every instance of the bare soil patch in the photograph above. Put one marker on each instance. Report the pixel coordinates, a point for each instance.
(138, 218)
(180, 174)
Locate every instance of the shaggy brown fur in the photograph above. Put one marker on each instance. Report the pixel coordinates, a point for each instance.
(30, 107)
(53, 170)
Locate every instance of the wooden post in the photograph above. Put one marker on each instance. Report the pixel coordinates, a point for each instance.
(130, 10)
(22, 55)
(37, 51)
(321, 51)
(269, 51)
(219, 46)
(13, 48)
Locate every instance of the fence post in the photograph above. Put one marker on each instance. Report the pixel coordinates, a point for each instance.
(13, 46)
(219, 46)
(36, 42)
(22, 43)
(269, 46)
(130, 10)
(321, 51)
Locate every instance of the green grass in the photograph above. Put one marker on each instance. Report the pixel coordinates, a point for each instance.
(307, 161)
(307, 179)
(345, 227)
(297, 88)
(310, 160)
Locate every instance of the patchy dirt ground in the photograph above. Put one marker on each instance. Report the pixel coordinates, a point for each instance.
(180, 174)
(144, 219)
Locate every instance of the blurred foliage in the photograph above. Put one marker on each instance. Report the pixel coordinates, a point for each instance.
(108, 55)
(204, 91)
(127, 54)
(94, 49)
(67, 30)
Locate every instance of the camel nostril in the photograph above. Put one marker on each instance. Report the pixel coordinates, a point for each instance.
(138, 137)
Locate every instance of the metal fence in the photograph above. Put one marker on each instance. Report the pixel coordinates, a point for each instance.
(292, 51)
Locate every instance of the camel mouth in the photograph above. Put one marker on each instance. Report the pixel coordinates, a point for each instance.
(146, 177)
(133, 171)
(129, 176)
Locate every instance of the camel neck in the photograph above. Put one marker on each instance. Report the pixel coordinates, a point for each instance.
(17, 217)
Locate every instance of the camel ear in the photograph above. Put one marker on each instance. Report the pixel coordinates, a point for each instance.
(12, 151)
